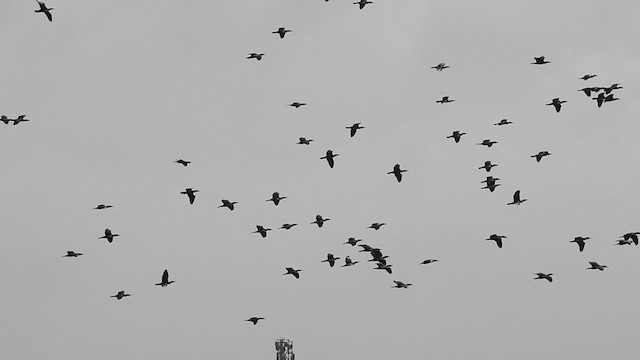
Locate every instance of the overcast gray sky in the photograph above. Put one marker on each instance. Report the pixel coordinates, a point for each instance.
(116, 90)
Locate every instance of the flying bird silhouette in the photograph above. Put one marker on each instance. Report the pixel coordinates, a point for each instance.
(516, 199)
(376, 226)
(362, 3)
(397, 172)
(544, 276)
(596, 266)
(282, 32)
(631, 236)
(165, 279)
(348, 262)
(191, 193)
(261, 230)
(487, 166)
(275, 198)
(320, 221)
(401, 285)
(296, 104)
(255, 56)
(228, 204)
(294, 272)
(503, 122)
(580, 241)
(456, 136)
(444, 100)
(557, 103)
(329, 156)
(21, 118)
(108, 235)
(353, 128)
(331, 259)
(44, 9)
(540, 61)
(440, 67)
(487, 142)
(121, 294)
(304, 141)
(428, 261)
(540, 155)
(255, 319)
(181, 161)
(352, 241)
(587, 77)
(72, 254)
(497, 238)
(102, 207)
(287, 226)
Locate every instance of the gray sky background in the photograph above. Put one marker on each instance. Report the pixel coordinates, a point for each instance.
(116, 90)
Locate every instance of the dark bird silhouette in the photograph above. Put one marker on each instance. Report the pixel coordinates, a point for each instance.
(21, 118)
(296, 104)
(352, 241)
(503, 122)
(353, 128)
(385, 267)
(587, 77)
(183, 162)
(362, 3)
(540, 155)
(376, 226)
(401, 285)
(580, 241)
(540, 61)
(254, 319)
(44, 9)
(516, 199)
(228, 204)
(121, 294)
(497, 238)
(623, 242)
(588, 90)
(488, 142)
(366, 248)
(487, 165)
(255, 56)
(544, 276)
(320, 221)
(609, 89)
(397, 172)
(102, 207)
(557, 103)
(304, 141)
(165, 279)
(281, 31)
(631, 236)
(444, 100)
(5, 119)
(599, 99)
(440, 67)
(596, 266)
(491, 186)
(376, 255)
(72, 254)
(329, 156)
(275, 198)
(428, 261)
(456, 136)
(108, 235)
(331, 259)
(261, 230)
(294, 272)
(607, 98)
(349, 262)
(191, 193)
(287, 226)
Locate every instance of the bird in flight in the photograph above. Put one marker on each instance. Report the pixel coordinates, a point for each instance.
(623, 242)
(261, 230)
(331, 259)
(275, 198)
(503, 122)
(376, 226)
(397, 172)
(5, 119)
(228, 204)
(580, 241)
(631, 236)
(281, 31)
(21, 118)
(287, 226)
(544, 276)
(488, 142)
(121, 294)
(294, 272)
(348, 262)
(183, 162)
(596, 266)
(428, 261)
(44, 9)
(362, 3)
(609, 89)
(587, 77)
(353, 128)
(108, 235)
(384, 266)
(487, 165)
(540, 61)
(516, 199)
(497, 238)
(72, 254)
(165, 279)
(296, 104)
(490, 183)
(255, 56)
(329, 156)
(320, 221)
(304, 141)
(254, 319)
(440, 67)
(540, 155)
(444, 100)
(401, 285)
(588, 90)
(352, 241)
(456, 136)
(102, 207)
(191, 193)
(557, 103)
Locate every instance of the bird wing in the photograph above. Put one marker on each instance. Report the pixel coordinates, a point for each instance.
(48, 13)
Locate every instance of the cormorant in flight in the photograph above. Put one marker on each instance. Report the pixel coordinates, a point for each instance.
(397, 172)
(329, 156)
(108, 235)
(516, 199)
(281, 31)
(191, 194)
(557, 103)
(44, 9)
(121, 294)
(165, 279)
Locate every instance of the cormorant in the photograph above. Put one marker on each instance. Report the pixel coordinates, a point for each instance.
(353, 128)
(397, 172)
(612, 87)
(540, 61)
(557, 103)
(44, 9)
(544, 276)
(631, 236)
(362, 3)
(287, 226)
(275, 198)
(440, 67)
(376, 226)
(428, 261)
(580, 241)
(349, 262)
(401, 285)
(21, 118)
(329, 156)
(281, 31)
(228, 204)
(102, 207)
(304, 141)
(487, 165)
(5, 119)
(261, 230)
(385, 267)
(320, 221)
(587, 77)
(254, 319)
(121, 294)
(488, 142)
(296, 104)
(183, 162)
(456, 135)
(497, 238)
(165, 279)
(516, 199)
(444, 100)
(255, 56)
(596, 266)
(503, 122)
(294, 272)
(72, 254)
(331, 259)
(108, 235)
(540, 155)
(190, 193)
(352, 241)
(623, 242)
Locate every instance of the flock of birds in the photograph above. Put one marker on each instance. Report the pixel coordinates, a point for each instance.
(601, 95)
